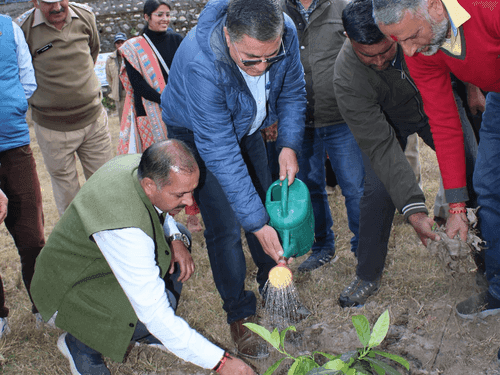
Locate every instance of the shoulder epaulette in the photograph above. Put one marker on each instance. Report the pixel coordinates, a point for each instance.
(82, 6)
(23, 17)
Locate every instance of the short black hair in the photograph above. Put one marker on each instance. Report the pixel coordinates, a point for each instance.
(359, 24)
(259, 19)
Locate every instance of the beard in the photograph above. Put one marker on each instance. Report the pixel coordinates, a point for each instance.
(439, 32)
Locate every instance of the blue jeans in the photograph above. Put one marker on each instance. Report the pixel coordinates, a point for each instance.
(223, 231)
(487, 185)
(347, 163)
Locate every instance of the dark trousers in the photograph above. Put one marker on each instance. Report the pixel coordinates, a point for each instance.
(223, 231)
(376, 207)
(19, 181)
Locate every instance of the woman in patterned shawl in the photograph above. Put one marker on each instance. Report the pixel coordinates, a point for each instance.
(144, 74)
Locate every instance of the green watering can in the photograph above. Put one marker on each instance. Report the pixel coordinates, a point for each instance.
(291, 213)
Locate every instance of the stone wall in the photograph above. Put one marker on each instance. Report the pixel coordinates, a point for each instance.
(125, 16)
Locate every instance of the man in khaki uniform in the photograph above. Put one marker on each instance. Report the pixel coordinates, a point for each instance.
(113, 64)
(66, 108)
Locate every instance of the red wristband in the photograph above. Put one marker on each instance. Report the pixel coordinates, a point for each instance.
(457, 205)
(221, 363)
(457, 211)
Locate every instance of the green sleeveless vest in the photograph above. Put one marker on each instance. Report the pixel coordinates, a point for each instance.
(73, 277)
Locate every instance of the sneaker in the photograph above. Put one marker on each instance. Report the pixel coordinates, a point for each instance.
(4, 327)
(358, 292)
(318, 259)
(479, 305)
(81, 362)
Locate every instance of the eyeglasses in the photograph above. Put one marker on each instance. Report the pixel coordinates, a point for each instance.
(270, 60)
(161, 14)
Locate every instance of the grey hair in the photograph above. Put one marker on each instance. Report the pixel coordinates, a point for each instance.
(161, 158)
(388, 12)
(259, 19)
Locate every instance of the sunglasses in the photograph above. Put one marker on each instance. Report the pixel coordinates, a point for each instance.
(270, 60)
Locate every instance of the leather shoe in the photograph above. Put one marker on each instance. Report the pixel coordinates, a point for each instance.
(248, 343)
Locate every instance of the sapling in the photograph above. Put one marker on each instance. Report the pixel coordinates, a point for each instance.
(362, 361)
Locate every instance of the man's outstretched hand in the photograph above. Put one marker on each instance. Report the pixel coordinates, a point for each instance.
(423, 226)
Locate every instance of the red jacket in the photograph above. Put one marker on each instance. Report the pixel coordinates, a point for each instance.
(479, 64)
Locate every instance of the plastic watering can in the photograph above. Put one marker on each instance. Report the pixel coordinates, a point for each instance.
(291, 215)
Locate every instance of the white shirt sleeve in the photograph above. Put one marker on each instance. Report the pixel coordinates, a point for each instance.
(26, 71)
(130, 254)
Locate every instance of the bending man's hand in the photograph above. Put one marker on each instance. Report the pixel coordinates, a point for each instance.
(475, 99)
(235, 366)
(457, 224)
(3, 206)
(288, 164)
(423, 226)
(181, 256)
(270, 243)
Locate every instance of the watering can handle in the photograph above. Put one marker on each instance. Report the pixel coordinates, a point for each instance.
(284, 197)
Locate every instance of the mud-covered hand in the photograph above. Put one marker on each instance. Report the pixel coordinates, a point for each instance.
(268, 238)
(181, 256)
(3, 206)
(235, 366)
(288, 164)
(423, 226)
(457, 224)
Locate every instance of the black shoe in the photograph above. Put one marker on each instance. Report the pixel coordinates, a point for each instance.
(498, 357)
(318, 259)
(82, 359)
(480, 305)
(357, 292)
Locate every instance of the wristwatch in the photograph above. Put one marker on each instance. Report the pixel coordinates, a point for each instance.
(179, 237)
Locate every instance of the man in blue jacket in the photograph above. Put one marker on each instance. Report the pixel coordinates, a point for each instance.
(18, 176)
(236, 72)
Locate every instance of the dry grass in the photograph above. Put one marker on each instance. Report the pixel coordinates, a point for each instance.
(415, 289)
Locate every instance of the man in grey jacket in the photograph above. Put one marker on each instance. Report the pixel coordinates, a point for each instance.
(382, 106)
(320, 32)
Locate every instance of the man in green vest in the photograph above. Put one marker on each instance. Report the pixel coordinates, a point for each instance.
(112, 273)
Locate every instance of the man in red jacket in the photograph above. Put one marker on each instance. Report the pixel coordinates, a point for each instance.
(461, 37)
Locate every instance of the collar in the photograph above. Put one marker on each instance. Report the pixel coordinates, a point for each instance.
(39, 18)
(458, 15)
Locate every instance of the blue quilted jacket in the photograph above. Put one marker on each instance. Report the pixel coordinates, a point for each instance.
(207, 94)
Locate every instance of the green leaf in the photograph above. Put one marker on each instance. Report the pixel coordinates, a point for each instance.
(261, 331)
(362, 326)
(331, 357)
(379, 370)
(271, 369)
(380, 329)
(336, 364)
(396, 358)
(305, 365)
(275, 339)
(388, 369)
(291, 371)
(351, 372)
(283, 334)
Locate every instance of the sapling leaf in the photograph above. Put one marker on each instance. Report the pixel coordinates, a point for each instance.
(291, 371)
(261, 331)
(351, 371)
(271, 369)
(396, 358)
(331, 357)
(362, 326)
(379, 370)
(380, 329)
(306, 364)
(275, 339)
(283, 334)
(388, 369)
(336, 364)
